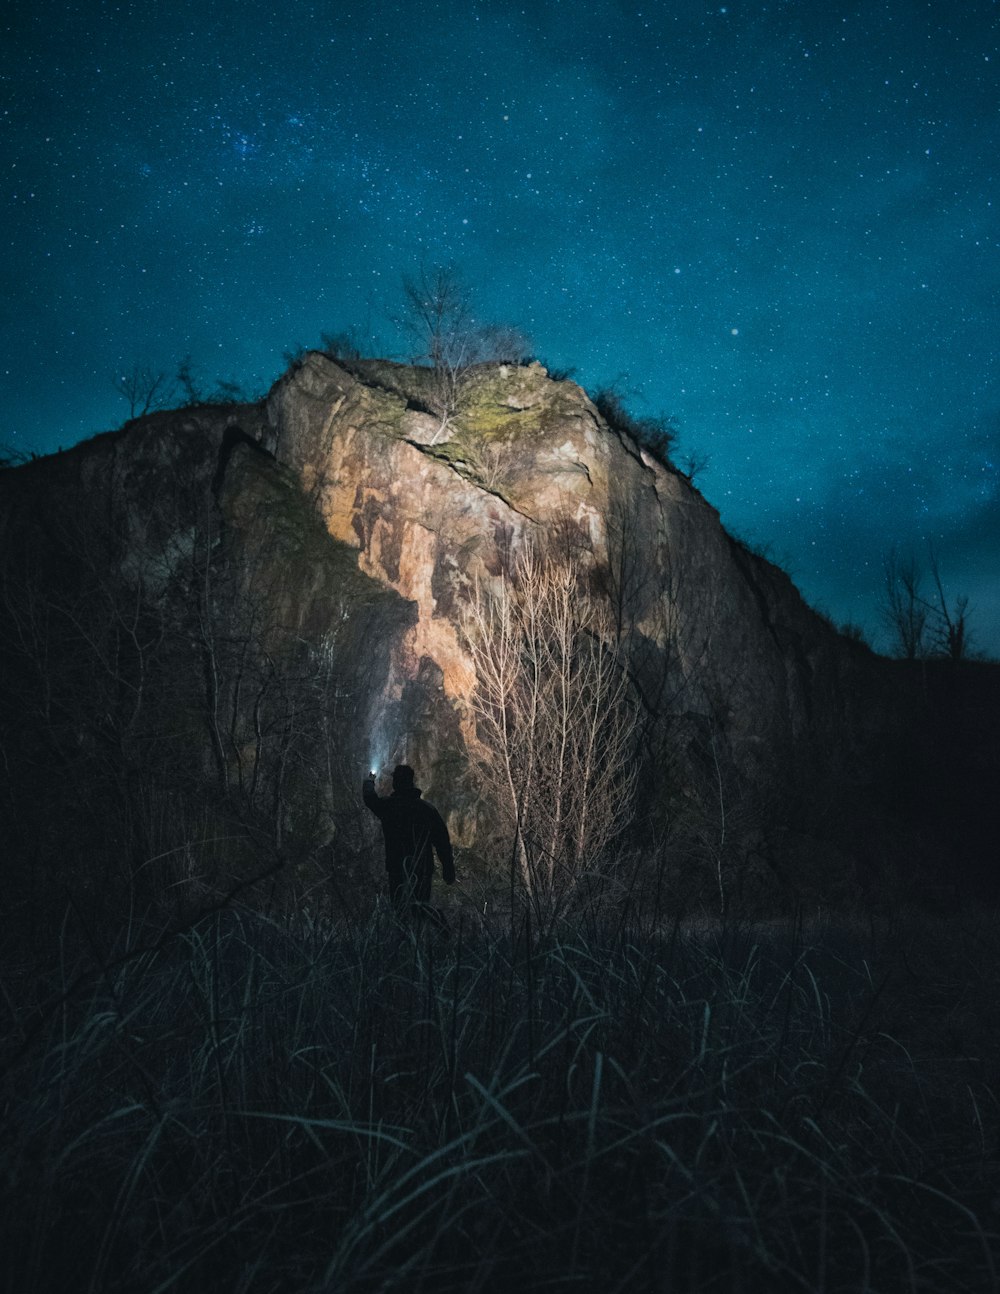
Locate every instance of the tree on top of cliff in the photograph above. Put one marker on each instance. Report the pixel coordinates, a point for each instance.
(144, 389)
(439, 320)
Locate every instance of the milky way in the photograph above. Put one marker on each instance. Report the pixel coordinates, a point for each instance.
(776, 223)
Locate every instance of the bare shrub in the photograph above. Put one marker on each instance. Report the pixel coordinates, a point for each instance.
(555, 720)
(653, 432)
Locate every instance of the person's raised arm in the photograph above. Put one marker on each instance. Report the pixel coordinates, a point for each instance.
(371, 797)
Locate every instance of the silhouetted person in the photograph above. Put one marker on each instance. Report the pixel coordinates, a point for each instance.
(413, 831)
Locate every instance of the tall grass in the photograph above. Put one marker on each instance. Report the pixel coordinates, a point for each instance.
(269, 1104)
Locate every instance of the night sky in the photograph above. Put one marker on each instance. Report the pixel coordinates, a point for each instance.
(777, 223)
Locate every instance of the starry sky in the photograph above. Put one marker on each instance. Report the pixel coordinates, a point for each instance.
(775, 222)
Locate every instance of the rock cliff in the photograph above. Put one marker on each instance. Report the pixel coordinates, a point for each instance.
(430, 518)
(267, 598)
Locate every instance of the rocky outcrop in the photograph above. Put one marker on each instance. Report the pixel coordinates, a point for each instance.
(431, 515)
(321, 549)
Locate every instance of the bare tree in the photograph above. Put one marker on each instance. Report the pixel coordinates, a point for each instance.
(950, 624)
(440, 321)
(923, 624)
(555, 721)
(144, 389)
(189, 383)
(904, 609)
(693, 463)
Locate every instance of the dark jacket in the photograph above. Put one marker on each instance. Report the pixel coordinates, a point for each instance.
(412, 830)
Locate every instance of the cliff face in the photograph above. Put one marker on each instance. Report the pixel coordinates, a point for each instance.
(298, 575)
(731, 639)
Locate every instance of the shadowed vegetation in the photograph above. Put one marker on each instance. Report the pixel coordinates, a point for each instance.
(319, 1104)
(653, 432)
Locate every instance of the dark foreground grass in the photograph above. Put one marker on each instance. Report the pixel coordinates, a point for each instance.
(291, 1106)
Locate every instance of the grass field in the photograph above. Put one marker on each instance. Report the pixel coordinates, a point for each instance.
(267, 1105)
